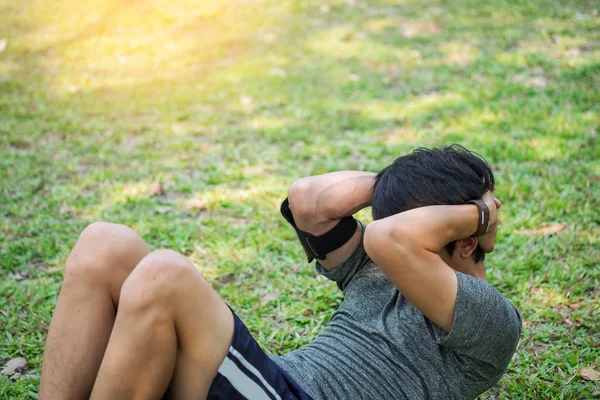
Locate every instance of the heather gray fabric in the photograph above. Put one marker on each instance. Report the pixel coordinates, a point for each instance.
(378, 346)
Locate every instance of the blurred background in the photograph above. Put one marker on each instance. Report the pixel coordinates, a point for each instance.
(187, 120)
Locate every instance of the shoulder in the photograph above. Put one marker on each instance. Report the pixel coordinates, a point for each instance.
(487, 326)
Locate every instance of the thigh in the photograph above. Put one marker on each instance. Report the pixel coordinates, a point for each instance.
(172, 331)
(168, 290)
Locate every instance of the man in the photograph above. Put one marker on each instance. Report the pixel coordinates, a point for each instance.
(418, 320)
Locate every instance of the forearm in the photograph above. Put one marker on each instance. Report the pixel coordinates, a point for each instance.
(317, 202)
(432, 227)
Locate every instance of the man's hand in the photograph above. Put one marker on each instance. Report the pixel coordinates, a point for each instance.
(486, 242)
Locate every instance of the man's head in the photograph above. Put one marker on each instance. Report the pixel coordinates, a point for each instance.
(438, 176)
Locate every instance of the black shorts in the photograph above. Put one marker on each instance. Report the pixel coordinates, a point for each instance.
(247, 373)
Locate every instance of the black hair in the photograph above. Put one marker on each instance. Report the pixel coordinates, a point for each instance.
(446, 175)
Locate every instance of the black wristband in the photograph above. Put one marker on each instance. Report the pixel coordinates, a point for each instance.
(319, 246)
(484, 217)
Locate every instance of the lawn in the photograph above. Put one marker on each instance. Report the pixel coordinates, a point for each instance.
(225, 103)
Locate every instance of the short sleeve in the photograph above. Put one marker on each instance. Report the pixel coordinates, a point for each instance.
(486, 329)
(343, 273)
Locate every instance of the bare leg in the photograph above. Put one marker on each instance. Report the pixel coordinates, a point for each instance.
(103, 257)
(172, 331)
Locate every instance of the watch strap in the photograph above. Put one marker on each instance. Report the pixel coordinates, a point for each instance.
(484, 217)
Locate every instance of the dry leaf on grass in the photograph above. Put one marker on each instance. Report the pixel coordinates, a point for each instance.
(553, 229)
(590, 374)
(68, 210)
(348, 37)
(195, 204)
(268, 297)
(572, 53)
(156, 189)
(535, 348)
(14, 366)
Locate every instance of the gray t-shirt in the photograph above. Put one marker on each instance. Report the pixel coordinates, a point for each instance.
(378, 346)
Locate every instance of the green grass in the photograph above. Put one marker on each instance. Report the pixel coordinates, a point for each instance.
(226, 103)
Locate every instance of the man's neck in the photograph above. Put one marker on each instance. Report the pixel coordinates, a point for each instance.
(474, 269)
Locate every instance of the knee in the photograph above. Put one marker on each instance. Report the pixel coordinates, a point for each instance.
(102, 248)
(158, 281)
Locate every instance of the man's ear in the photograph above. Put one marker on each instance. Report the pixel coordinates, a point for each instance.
(466, 247)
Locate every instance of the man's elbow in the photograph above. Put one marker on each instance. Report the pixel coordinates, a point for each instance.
(384, 240)
(300, 198)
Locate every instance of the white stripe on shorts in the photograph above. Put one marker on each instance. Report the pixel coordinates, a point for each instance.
(238, 379)
(252, 369)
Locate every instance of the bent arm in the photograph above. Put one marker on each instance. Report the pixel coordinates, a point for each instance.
(406, 248)
(319, 202)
